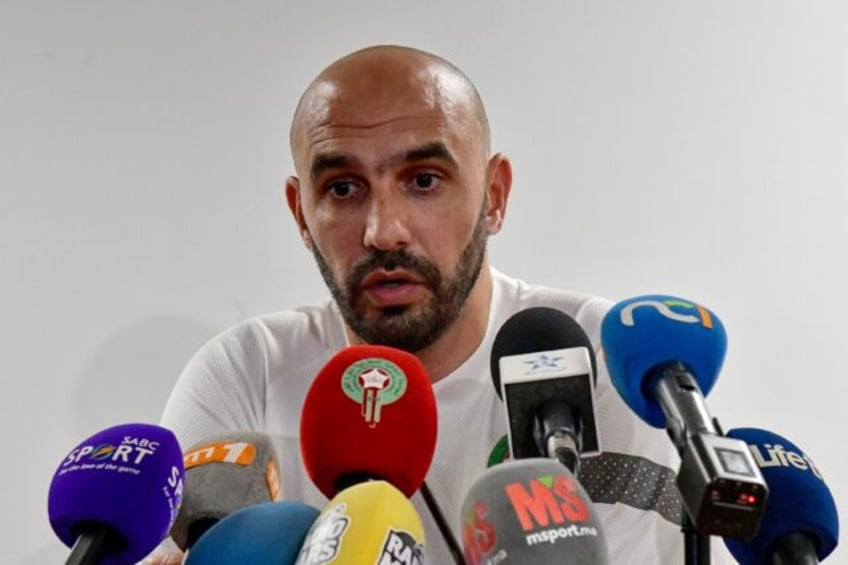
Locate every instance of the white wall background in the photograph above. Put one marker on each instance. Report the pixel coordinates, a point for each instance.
(659, 146)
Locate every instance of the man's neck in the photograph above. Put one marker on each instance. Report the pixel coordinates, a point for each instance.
(463, 337)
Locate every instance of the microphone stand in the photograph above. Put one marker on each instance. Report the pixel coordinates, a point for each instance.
(674, 383)
(442, 524)
(696, 546)
(794, 549)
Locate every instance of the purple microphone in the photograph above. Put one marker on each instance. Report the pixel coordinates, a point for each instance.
(116, 495)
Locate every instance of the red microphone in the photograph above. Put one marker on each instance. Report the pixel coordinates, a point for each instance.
(370, 413)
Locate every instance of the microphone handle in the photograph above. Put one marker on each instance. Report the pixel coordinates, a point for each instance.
(796, 548)
(682, 402)
(94, 541)
(558, 434)
(197, 528)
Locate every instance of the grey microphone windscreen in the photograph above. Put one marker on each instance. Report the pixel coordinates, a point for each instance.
(531, 511)
(224, 472)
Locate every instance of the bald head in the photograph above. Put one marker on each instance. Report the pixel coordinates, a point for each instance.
(376, 85)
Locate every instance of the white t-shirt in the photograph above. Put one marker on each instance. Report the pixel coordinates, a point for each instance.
(256, 374)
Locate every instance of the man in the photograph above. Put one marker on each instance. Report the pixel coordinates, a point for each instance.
(395, 196)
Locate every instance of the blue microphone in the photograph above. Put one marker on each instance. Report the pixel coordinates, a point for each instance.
(800, 524)
(270, 532)
(663, 354)
(643, 334)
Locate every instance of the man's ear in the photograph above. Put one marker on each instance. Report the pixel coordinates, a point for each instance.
(499, 176)
(293, 199)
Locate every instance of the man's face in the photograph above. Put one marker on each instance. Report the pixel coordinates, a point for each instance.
(393, 197)
(398, 321)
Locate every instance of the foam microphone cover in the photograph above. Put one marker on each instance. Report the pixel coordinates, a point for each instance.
(224, 473)
(271, 532)
(369, 413)
(534, 330)
(641, 334)
(371, 522)
(531, 511)
(799, 500)
(127, 479)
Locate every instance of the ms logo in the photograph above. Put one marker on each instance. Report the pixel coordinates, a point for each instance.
(671, 308)
(547, 500)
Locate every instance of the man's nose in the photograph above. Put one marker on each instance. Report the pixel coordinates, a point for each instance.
(386, 227)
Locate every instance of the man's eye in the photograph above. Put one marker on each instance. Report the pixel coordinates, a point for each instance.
(342, 189)
(425, 181)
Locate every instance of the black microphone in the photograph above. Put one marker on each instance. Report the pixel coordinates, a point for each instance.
(543, 368)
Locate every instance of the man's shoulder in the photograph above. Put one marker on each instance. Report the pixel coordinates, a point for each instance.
(263, 361)
(513, 295)
(296, 333)
(320, 320)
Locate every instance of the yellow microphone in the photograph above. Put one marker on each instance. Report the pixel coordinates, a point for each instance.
(371, 522)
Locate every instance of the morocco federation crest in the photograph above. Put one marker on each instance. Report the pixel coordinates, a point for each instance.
(373, 383)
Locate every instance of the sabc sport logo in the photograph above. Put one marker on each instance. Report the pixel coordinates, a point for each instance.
(126, 457)
(547, 509)
(131, 451)
(664, 307)
(373, 383)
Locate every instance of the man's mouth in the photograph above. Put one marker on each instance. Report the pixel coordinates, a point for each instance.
(389, 279)
(391, 288)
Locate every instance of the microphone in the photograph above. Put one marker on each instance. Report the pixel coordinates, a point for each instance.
(116, 494)
(269, 532)
(370, 413)
(371, 522)
(543, 368)
(531, 511)
(661, 352)
(800, 525)
(224, 472)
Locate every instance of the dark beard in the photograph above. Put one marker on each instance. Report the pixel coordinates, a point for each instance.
(410, 328)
